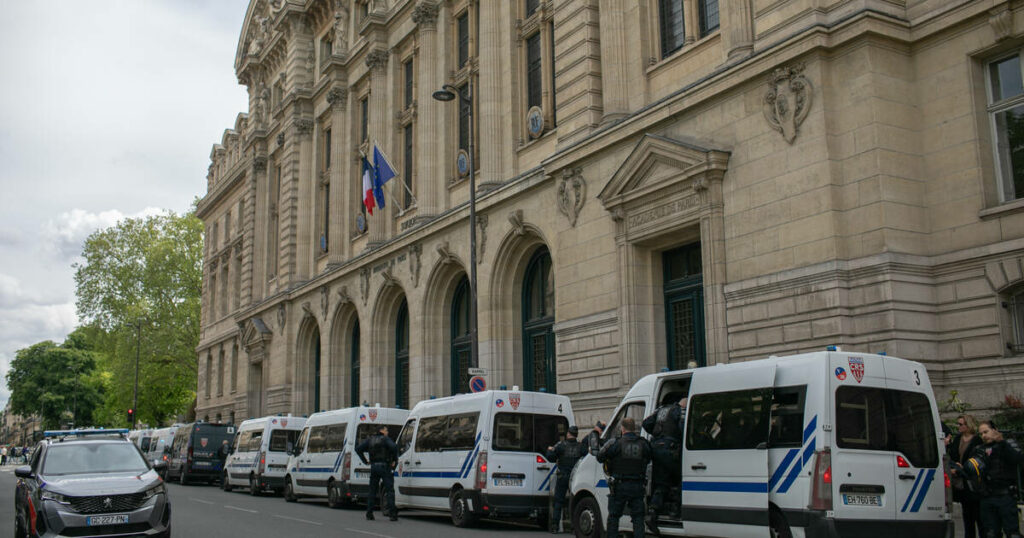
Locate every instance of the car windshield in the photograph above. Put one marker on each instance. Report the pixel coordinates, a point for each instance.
(83, 458)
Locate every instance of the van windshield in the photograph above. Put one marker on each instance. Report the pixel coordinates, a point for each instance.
(525, 432)
(283, 440)
(365, 430)
(869, 418)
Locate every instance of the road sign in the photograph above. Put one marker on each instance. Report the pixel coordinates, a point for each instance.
(477, 384)
(477, 371)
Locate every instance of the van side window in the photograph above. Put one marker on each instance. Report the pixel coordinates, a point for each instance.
(787, 429)
(405, 439)
(635, 410)
(335, 437)
(255, 440)
(284, 440)
(317, 440)
(365, 430)
(871, 418)
(242, 443)
(523, 432)
(301, 443)
(728, 420)
(453, 432)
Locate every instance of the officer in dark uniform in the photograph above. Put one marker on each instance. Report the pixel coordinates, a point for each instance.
(999, 482)
(665, 426)
(593, 439)
(566, 453)
(383, 456)
(627, 457)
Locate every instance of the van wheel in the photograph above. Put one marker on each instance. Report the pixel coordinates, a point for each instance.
(289, 490)
(586, 519)
(778, 525)
(183, 478)
(461, 516)
(254, 488)
(334, 499)
(224, 484)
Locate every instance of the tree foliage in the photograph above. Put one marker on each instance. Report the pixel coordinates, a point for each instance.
(55, 382)
(139, 288)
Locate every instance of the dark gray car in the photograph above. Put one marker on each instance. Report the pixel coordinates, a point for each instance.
(91, 483)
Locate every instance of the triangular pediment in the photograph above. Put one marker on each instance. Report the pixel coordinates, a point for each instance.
(255, 333)
(657, 162)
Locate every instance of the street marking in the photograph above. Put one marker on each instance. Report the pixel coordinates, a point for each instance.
(299, 520)
(240, 509)
(202, 501)
(370, 533)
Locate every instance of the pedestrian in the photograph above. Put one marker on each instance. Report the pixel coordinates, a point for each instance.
(666, 426)
(627, 457)
(997, 459)
(960, 448)
(3, 455)
(565, 453)
(383, 457)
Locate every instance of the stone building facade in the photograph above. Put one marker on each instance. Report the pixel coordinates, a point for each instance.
(659, 183)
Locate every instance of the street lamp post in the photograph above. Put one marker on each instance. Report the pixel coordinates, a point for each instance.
(448, 93)
(138, 344)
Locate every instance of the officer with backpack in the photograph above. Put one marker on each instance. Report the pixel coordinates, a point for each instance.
(994, 472)
(666, 428)
(566, 453)
(627, 458)
(383, 457)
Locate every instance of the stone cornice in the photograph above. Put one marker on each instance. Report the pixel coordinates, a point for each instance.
(222, 188)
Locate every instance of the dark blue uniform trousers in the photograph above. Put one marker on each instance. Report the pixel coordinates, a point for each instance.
(628, 493)
(381, 472)
(561, 488)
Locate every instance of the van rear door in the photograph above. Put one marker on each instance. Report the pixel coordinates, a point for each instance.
(725, 456)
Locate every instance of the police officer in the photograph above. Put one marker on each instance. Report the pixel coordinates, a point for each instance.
(627, 457)
(383, 456)
(593, 439)
(666, 428)
(566, 453)
(998, 495)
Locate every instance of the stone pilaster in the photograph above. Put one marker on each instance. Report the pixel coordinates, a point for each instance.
(429, 147)
(252, 272)
(305, 191)
(377, 61)
(615, 61)
(341, 227)
(737, 28)
(492, 101)
(578, 103)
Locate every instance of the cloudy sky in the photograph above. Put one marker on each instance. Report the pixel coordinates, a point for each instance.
(108, 109)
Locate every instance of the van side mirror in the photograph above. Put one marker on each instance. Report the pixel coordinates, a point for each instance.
(23, 472)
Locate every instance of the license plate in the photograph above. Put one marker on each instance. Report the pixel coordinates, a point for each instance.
(509, 482)
(114, 519)
(862, 500)
(201, 463)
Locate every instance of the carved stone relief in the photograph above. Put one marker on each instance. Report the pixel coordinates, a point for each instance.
(515, 218)
(259, 163)
(364, 283)
(415, 264)
(425, 14)
(323, 301)
(446, 255)
(572, 192)
(481, 221)
(1001, 21)
(343, 296)
(338, 97)
(788, 100)
(303, 126)
(281, 316)
(340, 26)
(377, 59)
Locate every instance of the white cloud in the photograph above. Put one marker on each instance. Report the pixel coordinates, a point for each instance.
(65, 235)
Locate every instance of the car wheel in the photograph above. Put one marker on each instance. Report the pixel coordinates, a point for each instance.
(224, 484)
(778, 526)
(289, 490)
(254, 488)
(183, 478)
(19, 529)
(334, 498)
(586, 519)
(461, 516)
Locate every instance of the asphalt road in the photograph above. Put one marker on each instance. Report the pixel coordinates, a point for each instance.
(206, 511)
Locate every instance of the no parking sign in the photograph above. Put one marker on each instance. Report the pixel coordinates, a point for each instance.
(477, 384)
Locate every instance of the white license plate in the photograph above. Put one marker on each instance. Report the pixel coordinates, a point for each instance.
(509, 482)
(862, 500)
(114, 519)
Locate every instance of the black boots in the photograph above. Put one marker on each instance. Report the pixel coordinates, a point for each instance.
(369, 516)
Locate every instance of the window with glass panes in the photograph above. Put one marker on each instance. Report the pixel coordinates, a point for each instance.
(463, 119)
(364, 119)
(462, 34)
(531, 6)
(707, 15)
(407, 166)
(534, 83)
(670, 22)
(407, 67)
(1006, 113)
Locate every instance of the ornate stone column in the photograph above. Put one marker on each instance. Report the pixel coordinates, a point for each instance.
(429, 146)
(737, 28)
(377, 61)
(253, 272)
(615, 79)
(305, 193)
(492, 104)
(338, 245)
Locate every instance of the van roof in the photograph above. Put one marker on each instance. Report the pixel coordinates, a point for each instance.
(287, 422)
(485, 398)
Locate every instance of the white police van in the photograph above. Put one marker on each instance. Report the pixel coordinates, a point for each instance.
(259, 454)
(323, 463)
(481, 455)
(826, 444)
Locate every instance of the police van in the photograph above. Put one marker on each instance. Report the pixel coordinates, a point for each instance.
(482, 454)
(160, 444)
(323, 463)
(826, 444)
(194, 453)
(258, 456)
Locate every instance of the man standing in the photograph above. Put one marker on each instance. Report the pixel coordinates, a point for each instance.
(3, 455)
(998, 496)
(383, 457)
(666, 429)
(628, 457)
(566, 453)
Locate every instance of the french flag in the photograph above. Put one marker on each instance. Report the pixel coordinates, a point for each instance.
(368, 185)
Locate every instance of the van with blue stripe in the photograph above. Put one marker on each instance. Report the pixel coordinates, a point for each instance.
(259, 454)
(322, 463)
(826, 444)
(482, 454)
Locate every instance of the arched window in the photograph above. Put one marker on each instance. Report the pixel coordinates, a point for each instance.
(402, 357)
(316, 372)
(354, 361)
(461, 338)
(538, 305)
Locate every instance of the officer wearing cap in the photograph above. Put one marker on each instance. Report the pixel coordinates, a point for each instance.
(383, 456)
(566, 453)
(627, 457)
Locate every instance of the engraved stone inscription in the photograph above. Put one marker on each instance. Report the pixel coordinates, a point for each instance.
(662, 211)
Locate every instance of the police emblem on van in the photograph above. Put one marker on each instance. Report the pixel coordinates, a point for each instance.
(514, 398)
(284, 423)
(203, 441)
(857, 368)
(373, 414)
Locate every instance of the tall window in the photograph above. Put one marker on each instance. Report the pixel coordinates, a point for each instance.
(461, 338)
(209, 373)
(462, 34)
(534, 82)
(1006, 113)
(407, 166)
(234, 367)
(364, 119)
(316, 372)
(538, 306)
(326, 193)
(531, 7)
(402, 357)
(409, 97)
(537, 68)
(354, 366)
(707, 14)
(220, 373)
(670, 18)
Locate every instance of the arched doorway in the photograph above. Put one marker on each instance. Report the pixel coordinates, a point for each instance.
(461, 338)
(402, 357)
(316, 370)
(354, 366)
(538, 307)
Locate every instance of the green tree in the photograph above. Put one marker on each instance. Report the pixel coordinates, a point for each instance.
(56, 382)
(139, 289)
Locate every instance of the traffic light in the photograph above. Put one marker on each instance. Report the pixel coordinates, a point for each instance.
(131, 416)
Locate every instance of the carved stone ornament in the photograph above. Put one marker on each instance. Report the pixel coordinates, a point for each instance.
(515, 218)
(378, 6)
(414, 263)
(389, 277)
(481, 221)
(572, 193)
(788, 100)
(337, 97)
(343, 295)
(282, 316)
(323, 301)
(618, 214)
(307, 311)
(280, 139)
(303, 126)
(377, 59)
(700, 184)
(445, 253)
(340, 26)
(1001, 22)
(425, 14)
(364, 283)
(259, 163)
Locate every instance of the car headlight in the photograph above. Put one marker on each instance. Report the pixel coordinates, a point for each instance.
(54, 496)
(151, 492)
